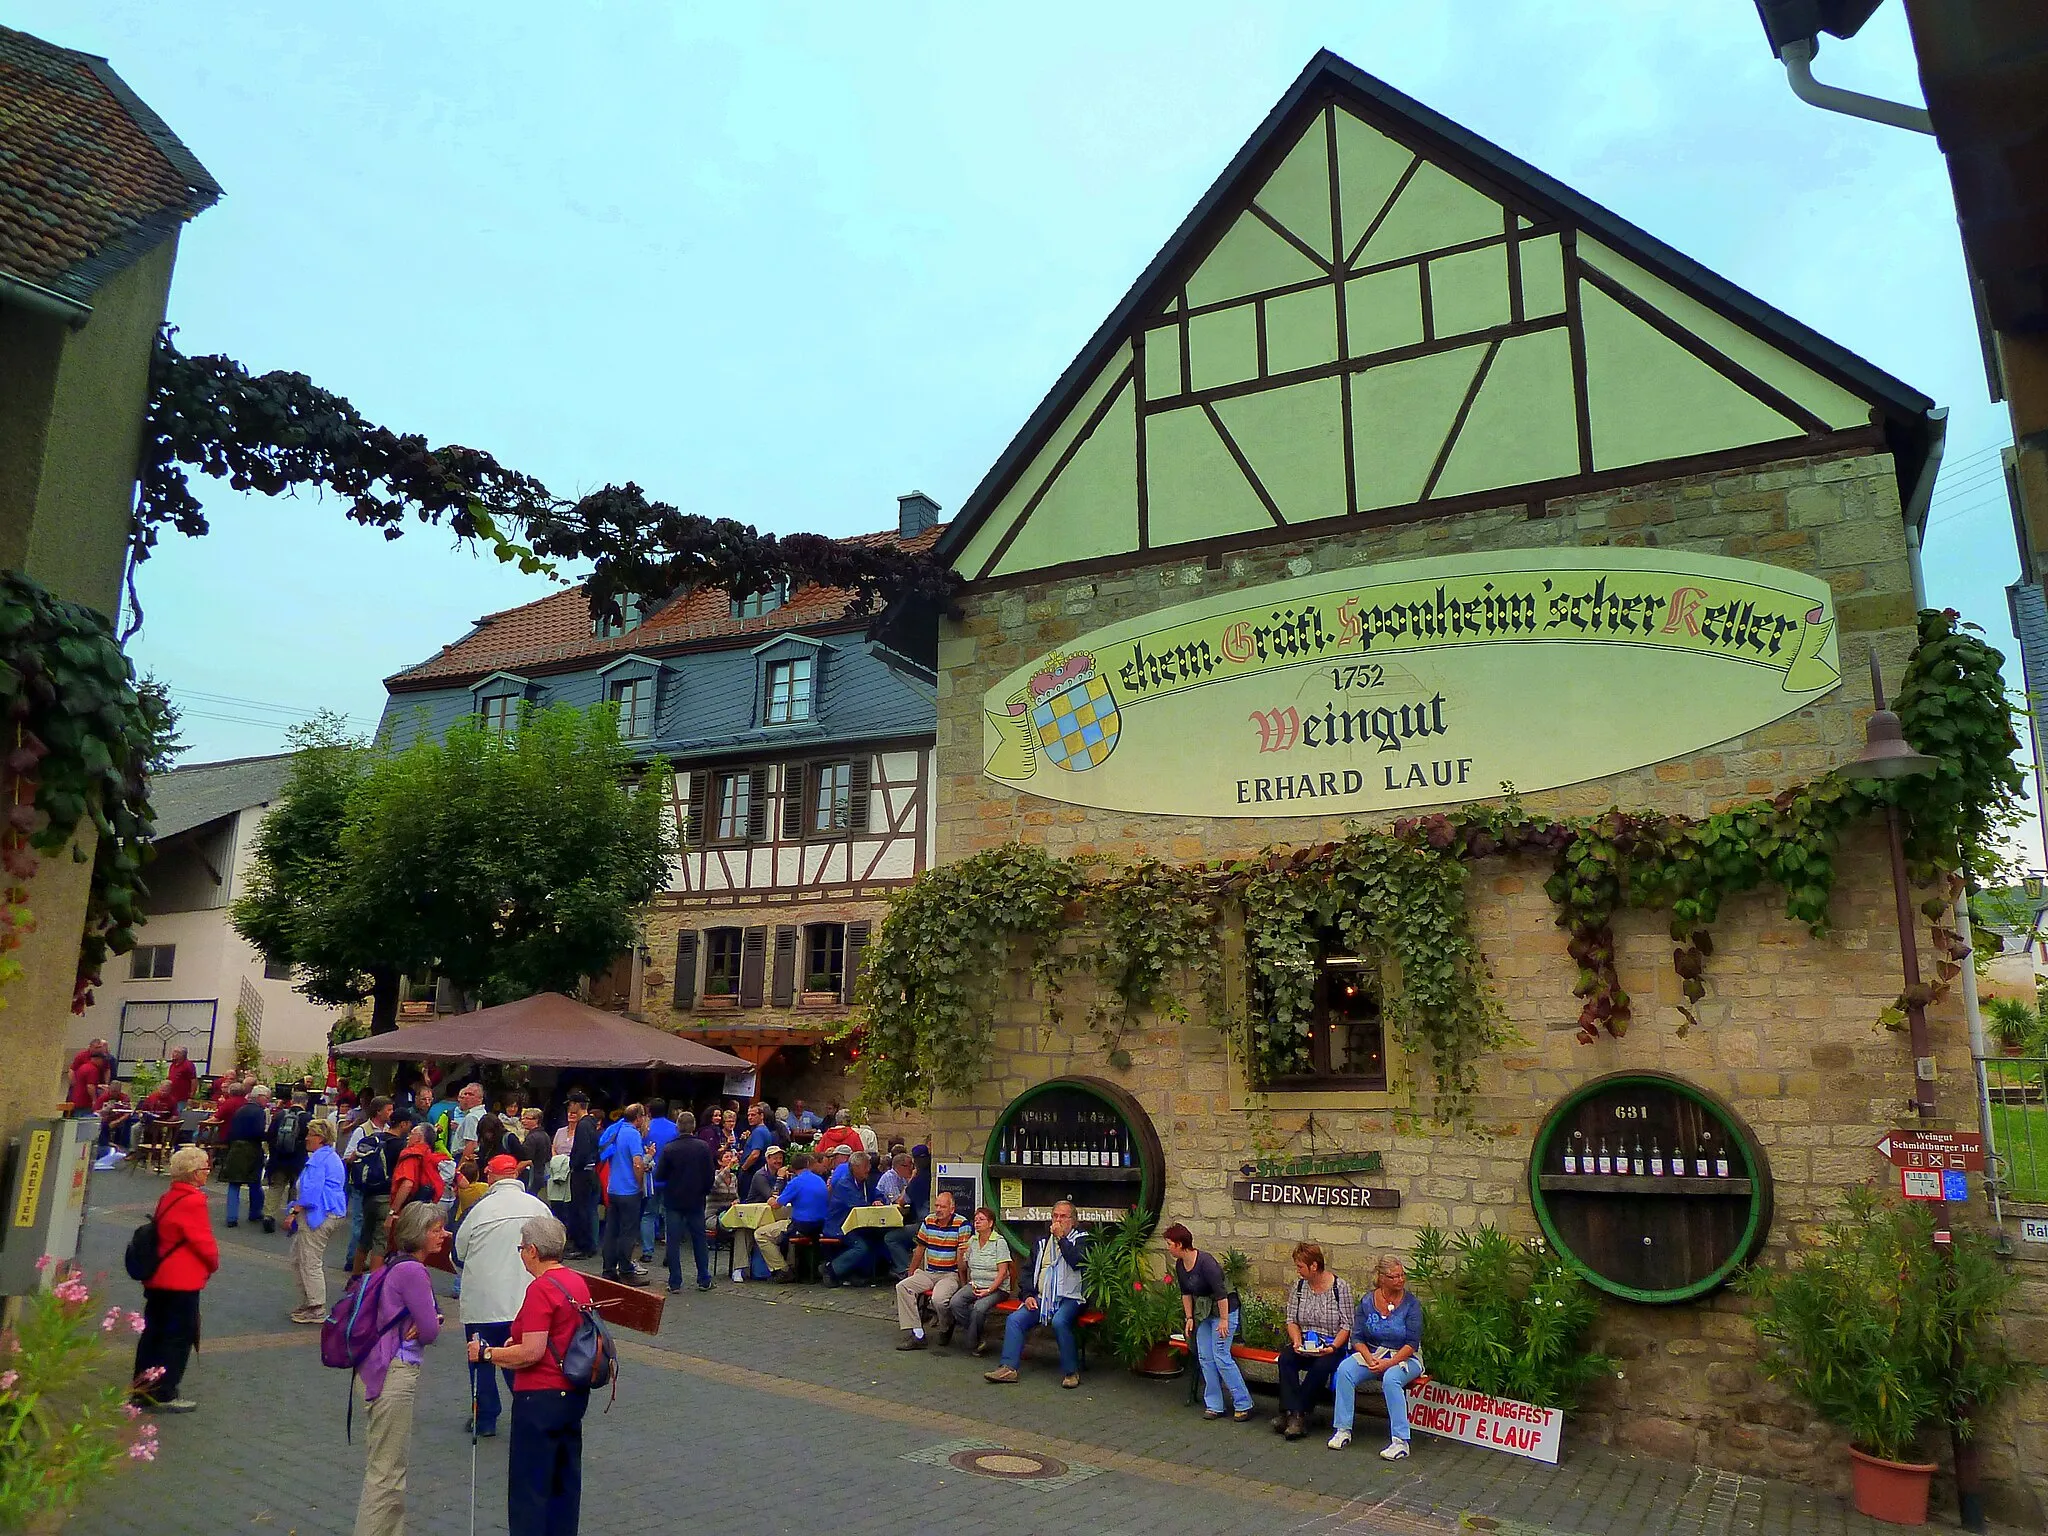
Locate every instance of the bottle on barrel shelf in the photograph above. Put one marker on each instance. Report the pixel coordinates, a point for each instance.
(1656, 1159)
(1123, 1141)
(1007, 1152)
(1571, 1153)
(1720, 1162)
(1640, 1165)
(1701, 1151)
(1103, 1155)
(1606, 1158)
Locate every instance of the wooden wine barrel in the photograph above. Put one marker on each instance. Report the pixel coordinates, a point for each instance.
(1649, 1237)
(1075, 1118)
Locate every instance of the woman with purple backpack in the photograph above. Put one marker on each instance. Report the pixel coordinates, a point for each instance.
(406, 1318)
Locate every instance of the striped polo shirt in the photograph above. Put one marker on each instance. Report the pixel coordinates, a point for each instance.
(942, 1244)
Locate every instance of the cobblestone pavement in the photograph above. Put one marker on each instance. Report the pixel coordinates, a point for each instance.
(787, 1409)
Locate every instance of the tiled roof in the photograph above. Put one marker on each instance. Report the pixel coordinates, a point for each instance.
(556, 629)
(90, 178)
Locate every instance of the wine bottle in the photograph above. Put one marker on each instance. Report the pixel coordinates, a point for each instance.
(1123, 1139)
(1102, 1149)
(1641, 1164)
(1006, 1149)
(1571, 1154)
(1720, 1162)
(1699, 1155)
(1656, 1159)
(1606, 1160)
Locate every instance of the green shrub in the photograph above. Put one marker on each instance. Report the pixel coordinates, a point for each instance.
(1265, 1321)
(1128, 1284)
(1880, 1333)
(1504, 1317)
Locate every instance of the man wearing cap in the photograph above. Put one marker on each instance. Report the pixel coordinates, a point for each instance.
(494, 1278)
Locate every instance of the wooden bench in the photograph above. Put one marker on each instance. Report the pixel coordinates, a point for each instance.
(1086, 1318)
(1258, 1357)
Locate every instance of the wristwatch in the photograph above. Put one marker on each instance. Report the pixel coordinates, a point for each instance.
(486, 1354)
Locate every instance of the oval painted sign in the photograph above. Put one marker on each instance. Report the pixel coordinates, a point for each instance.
(1393, 686)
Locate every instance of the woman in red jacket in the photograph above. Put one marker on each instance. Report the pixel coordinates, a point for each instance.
(187, 1256)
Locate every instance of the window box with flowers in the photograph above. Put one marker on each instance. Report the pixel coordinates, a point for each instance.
(819, 992)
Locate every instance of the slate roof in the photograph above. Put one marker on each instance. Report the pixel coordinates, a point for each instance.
(90, 178)
(553, 632)
(194, 795)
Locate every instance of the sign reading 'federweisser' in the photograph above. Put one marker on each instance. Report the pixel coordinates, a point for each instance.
(1413, 684)
(1306, 1192)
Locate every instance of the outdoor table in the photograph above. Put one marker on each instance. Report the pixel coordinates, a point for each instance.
(748, 1216)
(873, 1216)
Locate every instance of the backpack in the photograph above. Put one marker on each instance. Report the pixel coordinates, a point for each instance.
(592, 1359)
(291, 1131)
(350, 1330)
(371, 1171)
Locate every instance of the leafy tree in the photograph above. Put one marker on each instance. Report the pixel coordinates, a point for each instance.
(509, 864)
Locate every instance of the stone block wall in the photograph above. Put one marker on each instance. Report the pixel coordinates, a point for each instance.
(1786, 1035)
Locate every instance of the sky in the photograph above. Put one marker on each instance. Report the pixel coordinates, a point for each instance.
(784, 262)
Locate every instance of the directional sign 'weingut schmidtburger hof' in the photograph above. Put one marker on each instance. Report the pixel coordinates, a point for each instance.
(1390, 686)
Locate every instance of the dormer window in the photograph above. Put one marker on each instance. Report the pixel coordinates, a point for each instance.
(500, 713)
(634, 700)
(755, 604)
(632, 614)
(789, 691)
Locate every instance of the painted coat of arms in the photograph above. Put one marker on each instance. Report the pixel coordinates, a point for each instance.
(1066, 712)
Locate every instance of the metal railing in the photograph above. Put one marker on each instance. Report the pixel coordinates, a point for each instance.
(2014, 1094)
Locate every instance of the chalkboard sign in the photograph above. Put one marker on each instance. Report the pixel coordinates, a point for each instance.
(1652, 1187)
(1071, 1138)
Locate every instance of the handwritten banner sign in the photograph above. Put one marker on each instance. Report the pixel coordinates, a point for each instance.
(1417, 683)
(1493, 1423)
(1304, 1192)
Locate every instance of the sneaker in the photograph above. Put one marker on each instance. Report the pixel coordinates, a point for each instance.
(1002, 1375)
(1396, 1449)
(1293, 1428)
(945, 1338)
(982, 1347)
(639, 1275)
(1340, 1439)
(909, 1340)
(675, 1290)
(1070, 1382)
(738, 1275)
(175, 1405)
(232, 1225)
(703, 1285)
(303, 1316)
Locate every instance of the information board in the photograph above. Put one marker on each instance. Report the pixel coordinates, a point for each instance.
(1481, 1419)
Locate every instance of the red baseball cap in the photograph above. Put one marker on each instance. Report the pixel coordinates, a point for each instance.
(501, 1165)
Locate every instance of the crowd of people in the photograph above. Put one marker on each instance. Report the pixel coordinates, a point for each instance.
(406, 1179)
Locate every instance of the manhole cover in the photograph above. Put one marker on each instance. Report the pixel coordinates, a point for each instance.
(999, 1461)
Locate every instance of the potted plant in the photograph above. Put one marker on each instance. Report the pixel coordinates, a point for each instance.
(819, 992)
(1883, 1335)
(2013, 1023)
(718, 992)
(1127, 1283)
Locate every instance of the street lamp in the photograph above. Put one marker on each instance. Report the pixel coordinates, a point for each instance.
(1887, 755)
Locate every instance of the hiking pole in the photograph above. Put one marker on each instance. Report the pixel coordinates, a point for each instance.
(472, 1448)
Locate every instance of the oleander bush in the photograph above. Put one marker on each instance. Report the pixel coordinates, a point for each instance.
(1505, 1316)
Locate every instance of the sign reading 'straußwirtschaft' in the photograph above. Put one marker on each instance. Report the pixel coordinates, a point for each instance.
(1412, 684)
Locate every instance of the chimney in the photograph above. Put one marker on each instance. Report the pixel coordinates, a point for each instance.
(916, 513)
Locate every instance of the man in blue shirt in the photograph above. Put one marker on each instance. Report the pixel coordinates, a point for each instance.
(622, 1163)
(851, 1185)
(754, 1148)
(800, 1211)
(1050, 1287)
(803, 1120)
(661, 1130)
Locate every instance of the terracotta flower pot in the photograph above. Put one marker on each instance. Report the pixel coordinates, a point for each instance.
(1161, 1360)
(1892, 1491)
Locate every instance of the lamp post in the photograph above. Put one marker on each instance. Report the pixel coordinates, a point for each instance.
(1887, 755)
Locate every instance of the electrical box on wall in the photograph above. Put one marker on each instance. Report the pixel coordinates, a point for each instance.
(47, 1166)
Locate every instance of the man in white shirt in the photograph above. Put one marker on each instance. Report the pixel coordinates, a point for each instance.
(494, 1278)
(471, 1121)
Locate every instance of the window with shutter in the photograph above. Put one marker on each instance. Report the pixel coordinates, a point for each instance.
(784, 993)
(693, 818)
(857, 805)
(722, 961)
(753, 963)
(794, 777)
(757, 810)
(856, 941)
(684, 994)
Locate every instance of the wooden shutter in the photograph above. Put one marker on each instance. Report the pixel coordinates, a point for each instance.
(757, 806)
(784, 995)
(857, 809)
(693, 818)
(856, 941)
(794, 824)
(753, 960)
(685, 992)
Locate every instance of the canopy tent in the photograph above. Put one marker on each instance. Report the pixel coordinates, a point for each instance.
(545, 1030)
